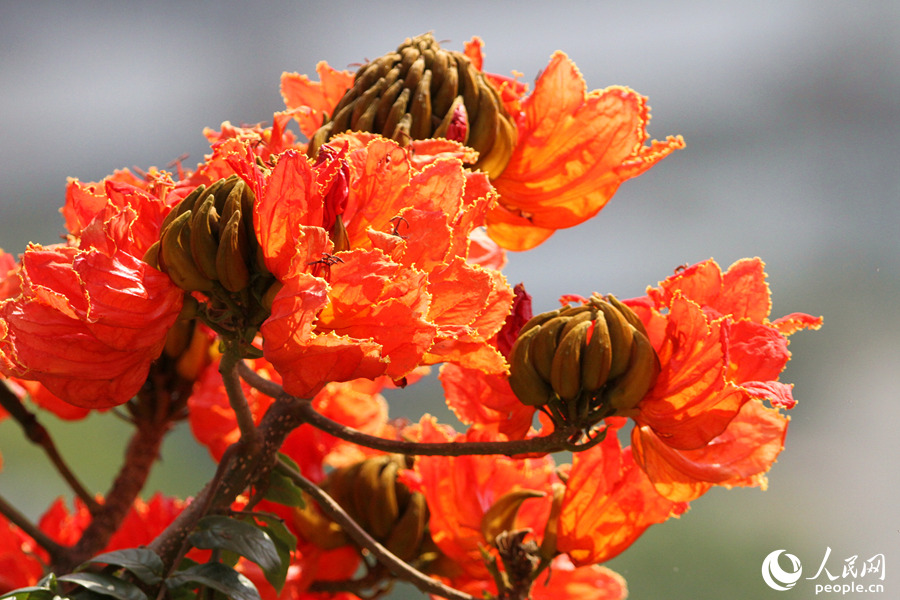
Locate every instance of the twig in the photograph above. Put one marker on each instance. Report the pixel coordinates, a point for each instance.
(37, 434)
(21, 521)
(205, 499)
(228, 368)
(398, 567)
(238, 473)
(554, 442)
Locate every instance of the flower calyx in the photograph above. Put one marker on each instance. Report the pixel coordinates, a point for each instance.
(422, 91)
(581, 364)
(207, 245)
(392, 513)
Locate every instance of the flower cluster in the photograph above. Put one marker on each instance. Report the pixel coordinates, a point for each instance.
(272, 295)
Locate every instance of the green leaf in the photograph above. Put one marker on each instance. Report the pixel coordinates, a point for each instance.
(285, 542)
(145, 564)
(283, 490)
(282, 457)
(30, 593)
(223, 533)
(218, 577)
(107, 585)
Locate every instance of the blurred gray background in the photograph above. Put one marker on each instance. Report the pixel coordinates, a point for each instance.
(790, 111)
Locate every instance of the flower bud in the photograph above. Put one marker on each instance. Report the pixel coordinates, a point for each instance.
(207, 244)
(422, 91)
(582, 364)
(386, 508)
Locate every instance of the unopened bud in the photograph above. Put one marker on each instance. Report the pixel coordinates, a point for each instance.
(207, 244)
(422, 91)
(373, 495)
(583, 363)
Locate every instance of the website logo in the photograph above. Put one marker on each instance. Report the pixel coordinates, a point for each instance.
(776, 577)
(853, 575)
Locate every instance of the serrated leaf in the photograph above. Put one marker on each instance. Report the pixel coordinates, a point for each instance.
(145, 564)
(250, 541)
(218, 577)
(283, 490)
(107, 585)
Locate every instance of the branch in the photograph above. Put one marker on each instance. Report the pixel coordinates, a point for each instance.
(140, 455)
(559, 440)
(228, 368)
(236, 474)
(37, 434)
(553, 442)
(41, 539)
(398, 567)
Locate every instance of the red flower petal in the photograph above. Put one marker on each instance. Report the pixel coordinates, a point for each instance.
(316, 98)
(573, 151)
(740, 456)
(87, 325)
(690, 402)
(609, 502)
(483, 400)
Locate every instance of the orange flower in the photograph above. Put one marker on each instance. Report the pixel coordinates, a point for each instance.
(609, 502)
(703, 423)
(22, 561)
(569, 582)
(461, 490)
(19, 565)
(89, 318)
(370, 252)
(573, 148)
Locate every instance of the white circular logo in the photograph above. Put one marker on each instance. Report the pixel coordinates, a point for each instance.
(776, 577)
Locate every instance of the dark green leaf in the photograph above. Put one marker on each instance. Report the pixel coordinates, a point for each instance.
(48, 581)
(285, 543)
(107, 585)
(282, 457)
(283, 490)
(248, 540)
(144, 563)
(218, 577)
(30, 593)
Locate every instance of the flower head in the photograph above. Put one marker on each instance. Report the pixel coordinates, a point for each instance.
(704, 422)
(89, 317)
(556, 155)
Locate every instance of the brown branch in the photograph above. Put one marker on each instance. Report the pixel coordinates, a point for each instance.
(554, 442)
(33, 531)
(237, 473)
(237, 400)
(37, 434)
(140, 455)
(397, 566)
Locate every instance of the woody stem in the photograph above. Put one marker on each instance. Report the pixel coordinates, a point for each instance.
(397, 566)
(140, 455)
(228, 368)
(239, 468)
(37, 434)
(554, 442)
(21, 521)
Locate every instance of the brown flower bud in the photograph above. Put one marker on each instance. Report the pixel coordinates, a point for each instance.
(422, 91)
(371, 493)
(582, 364)
(207, 244)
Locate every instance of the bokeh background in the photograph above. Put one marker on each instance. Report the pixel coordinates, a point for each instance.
(791, 113)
